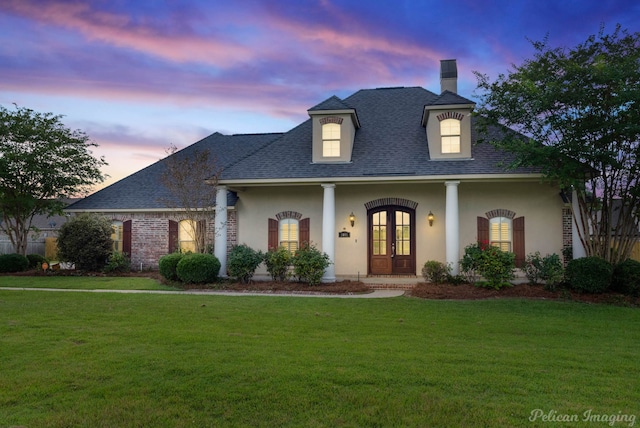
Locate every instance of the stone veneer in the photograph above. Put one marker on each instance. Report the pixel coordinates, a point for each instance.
(150, 235)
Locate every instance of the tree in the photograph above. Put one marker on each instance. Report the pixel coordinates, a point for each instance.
(190, 178)
(85, 241)
(41, 162)
(579, 112)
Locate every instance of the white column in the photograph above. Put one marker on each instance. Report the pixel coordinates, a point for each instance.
(220, 230)
(452, 226)
(329, 230)
(578, 249)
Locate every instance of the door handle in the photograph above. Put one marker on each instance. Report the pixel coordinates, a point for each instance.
(393, 249)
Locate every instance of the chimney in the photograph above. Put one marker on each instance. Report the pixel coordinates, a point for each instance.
(448, 76)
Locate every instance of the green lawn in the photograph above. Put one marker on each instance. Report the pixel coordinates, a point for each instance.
(82, 283)
(107, 360)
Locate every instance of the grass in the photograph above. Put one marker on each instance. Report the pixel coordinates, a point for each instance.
(83, 283)
(181, 360)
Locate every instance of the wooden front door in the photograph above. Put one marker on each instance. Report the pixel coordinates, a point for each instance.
(392, 241)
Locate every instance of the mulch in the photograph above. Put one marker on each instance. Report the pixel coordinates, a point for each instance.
(421, 290)
(470, 292)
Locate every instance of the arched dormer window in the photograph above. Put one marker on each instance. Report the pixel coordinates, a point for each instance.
(450, 135)
(331, 140)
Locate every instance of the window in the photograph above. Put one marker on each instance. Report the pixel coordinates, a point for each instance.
(500, 233)
(121, 236)
(331, 140)
(507, 233)
(288, 230)
(117, 235)
(379, 224)
(187, 236)
(288, 234)
(403, 233)
(450, 134)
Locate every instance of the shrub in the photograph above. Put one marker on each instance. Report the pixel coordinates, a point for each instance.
(85, 241)
(36, 260)
(13, 263)
(589, 274)
(436, 272)
(309, 264)
(278, 262)
(243, 262)
(118, 262)
(626, 277)
(198, 268)
(547, 269)
(168, 264)
(495, 266)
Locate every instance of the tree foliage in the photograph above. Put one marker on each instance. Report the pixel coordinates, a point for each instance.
(580, 111)
(41, 162)
(85, 241)
(190, 178)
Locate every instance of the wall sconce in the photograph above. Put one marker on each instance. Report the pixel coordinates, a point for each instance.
(352, 218)
(430, 217)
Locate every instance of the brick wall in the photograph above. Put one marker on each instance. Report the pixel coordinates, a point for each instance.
(150, 235)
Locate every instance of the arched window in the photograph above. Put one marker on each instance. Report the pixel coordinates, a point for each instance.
(187, 236)
(501, 233)
(450, 135)
(331, 140)
(117, 235)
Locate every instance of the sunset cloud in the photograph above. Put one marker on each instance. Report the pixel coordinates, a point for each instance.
(138, 75)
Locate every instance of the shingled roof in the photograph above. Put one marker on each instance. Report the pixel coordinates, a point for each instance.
(143, 190)
(390, 141)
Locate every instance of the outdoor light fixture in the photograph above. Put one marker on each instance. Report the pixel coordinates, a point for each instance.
(352, 218)
(430, 217)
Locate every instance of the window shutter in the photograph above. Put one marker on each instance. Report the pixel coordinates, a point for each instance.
(273, 234)
(126, 237)
(201, 234)
(305, 233)
(173, 236)
(518, 240)
(483, 230)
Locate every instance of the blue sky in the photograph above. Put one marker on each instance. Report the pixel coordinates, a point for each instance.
(138, 76)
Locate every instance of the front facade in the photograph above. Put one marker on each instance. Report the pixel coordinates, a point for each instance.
(381, 181)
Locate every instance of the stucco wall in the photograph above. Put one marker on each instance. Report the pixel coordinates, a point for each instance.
(539, 203)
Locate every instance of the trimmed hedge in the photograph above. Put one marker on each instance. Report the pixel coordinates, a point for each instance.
(36, 260)
(196, 268)
(168, 264)
(13, 263)
(589, 275)
(626, 277)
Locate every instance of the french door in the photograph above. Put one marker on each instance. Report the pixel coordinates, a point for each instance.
(392, 241)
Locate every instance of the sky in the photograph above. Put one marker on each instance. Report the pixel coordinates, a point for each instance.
(141, 76)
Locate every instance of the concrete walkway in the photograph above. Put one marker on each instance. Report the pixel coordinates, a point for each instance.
(375, 294)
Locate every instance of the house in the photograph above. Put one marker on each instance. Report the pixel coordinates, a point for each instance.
(382, 181)
(42, 236)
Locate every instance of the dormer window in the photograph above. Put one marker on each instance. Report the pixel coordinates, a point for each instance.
(330, 140)
(334, 126)
(450, 135)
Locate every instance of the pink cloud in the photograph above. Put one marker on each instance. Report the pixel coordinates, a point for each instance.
(119, 30)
